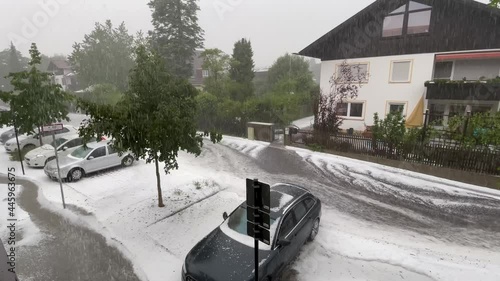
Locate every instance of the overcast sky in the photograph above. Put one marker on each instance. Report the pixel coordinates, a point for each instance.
(273, 26)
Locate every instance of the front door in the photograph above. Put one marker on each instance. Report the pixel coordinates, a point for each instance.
(98, 161)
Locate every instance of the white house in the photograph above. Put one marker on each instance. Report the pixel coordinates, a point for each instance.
(62, 74)
(408, 48)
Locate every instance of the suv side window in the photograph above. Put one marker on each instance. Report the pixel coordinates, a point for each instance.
(99, 152)
(299, 210)
(286, 226)
(309, 203)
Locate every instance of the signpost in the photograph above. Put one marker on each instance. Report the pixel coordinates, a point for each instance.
(54, 128)
(258, 216)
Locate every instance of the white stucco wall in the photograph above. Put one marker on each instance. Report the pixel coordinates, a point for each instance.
(379, 91)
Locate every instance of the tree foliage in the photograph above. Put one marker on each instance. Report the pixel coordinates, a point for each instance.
(495, 3)
(11, 61)
(155, 119)
(101, 94)
(290, 74)
(242, 70)
(176, 34)
(35, 100)
(217, 63)
(346, 82)
(481, 129)
(390, 130)
(105, 56)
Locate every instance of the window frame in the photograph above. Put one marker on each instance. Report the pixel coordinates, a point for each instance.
(101, 147)
(349, 117)
(396, 102)
(406, 20)
(410, 72)
(294, 223)
(452, 70)
(205, 73)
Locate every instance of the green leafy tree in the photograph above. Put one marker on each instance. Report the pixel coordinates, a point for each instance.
(390, 130)
(217, 64)
(290, 73)
(156, 118)
(35, 100)
(101, 94)
(11, 61)
(495, 3)
(176, 34)
(105, 56)
(242, 70)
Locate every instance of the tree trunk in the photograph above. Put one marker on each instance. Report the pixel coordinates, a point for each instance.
(158, 184)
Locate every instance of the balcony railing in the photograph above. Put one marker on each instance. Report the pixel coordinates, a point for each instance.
(463, 90)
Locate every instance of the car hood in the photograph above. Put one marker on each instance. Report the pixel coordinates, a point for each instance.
(63, 161)
(45, 150)
(220, 258)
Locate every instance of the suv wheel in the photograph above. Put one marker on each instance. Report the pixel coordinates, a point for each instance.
(127, 161)
(314, 230)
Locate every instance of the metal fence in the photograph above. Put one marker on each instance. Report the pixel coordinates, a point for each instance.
(480, 160)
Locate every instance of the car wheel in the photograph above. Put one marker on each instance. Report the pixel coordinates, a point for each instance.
(75, 175)
(314, 230)
(127, 161)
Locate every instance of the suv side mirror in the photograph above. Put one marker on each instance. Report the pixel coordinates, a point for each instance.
(90, 158)
(225, 216)
(284, 242)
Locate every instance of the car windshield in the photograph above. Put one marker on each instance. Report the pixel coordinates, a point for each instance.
(238, 221)
(81, 152)
(58, 142)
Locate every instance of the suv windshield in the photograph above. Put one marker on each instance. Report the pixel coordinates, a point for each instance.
(81, 152)
(238, 221)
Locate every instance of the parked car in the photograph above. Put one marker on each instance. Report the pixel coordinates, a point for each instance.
(7, 135)
(40, 156)
(227, 253)
(32, 141)
(83, 160)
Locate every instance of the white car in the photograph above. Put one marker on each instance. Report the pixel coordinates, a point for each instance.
(29, 142)
(83, 160)
(38, 157)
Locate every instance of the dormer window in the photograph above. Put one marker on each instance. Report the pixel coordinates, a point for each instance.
(412, 18)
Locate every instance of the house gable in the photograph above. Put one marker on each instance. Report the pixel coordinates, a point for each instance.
(455, 25)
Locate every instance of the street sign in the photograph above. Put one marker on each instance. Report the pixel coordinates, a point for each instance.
(52, 128)
(258, 210)
(258, 216)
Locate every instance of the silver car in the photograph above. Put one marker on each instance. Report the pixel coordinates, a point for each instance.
(84, 160)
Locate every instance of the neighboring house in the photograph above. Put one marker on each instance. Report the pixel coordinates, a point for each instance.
(199, 74)
(63, 74)
(402, 45)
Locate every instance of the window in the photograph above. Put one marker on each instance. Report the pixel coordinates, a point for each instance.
(205, 73)
(443, 70)
(99, 152)
(350, 109)
(412, 18)
(286, 226)
(111, 150)
(309, 203)
(396, 107)
(58, 142)
(355, 73)
(300, 211)
(238, 221)
(401, 71)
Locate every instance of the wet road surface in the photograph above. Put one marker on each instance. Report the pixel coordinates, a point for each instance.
(468, 220)
(67, 252)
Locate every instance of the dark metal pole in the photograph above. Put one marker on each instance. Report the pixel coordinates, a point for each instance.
(18, 148)
(424, 130)
(58, 170)
(466, 125)
(256, 229)
(256, 257)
